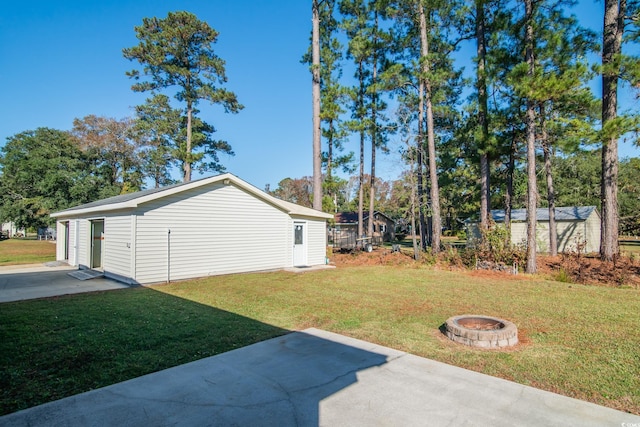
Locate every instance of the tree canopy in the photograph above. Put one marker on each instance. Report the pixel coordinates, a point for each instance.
(45, 170)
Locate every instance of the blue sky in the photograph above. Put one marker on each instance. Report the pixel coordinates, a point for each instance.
(63, 59)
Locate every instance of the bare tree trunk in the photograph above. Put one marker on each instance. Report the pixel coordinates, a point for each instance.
(532, 187)
(614, 13)
(508, 198)
(483, 119)
(361, 176)
(551, 195)
(374, 130)
(315, 71)
(412, 178)
(436, 227)
(420, 167)
(186, 177)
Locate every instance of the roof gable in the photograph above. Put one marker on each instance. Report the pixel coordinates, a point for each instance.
(133, 200)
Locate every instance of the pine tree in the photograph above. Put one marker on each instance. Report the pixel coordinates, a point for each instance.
(178, 52)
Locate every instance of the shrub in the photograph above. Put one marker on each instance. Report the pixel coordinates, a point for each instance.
(496, 247)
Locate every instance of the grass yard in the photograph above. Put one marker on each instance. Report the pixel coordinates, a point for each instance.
(580, 341)
(21, 251)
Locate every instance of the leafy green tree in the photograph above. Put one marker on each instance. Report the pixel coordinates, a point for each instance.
(109, 142)
(157, 129)
(296, 190)
(45, 171)
(560, 90)
(177, 52)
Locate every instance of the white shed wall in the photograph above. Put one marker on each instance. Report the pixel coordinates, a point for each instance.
(592, 233)
(60, 241)
(84, 243)
(570, 233)
(214, 230)
(317, 238)
(117, 246)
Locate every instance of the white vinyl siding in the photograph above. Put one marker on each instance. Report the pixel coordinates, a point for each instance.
(214, 230)
(570, 234)
(117, 246)
(73, 242)
(84, 243)
(592, 232)
(60, 247)
(317, 242)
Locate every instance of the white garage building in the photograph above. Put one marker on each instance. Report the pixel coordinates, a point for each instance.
(211, 226)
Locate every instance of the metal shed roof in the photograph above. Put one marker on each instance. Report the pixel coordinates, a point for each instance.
(568, 213)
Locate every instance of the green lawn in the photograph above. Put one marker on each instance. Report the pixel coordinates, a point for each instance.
(580, 341)
(23, 251)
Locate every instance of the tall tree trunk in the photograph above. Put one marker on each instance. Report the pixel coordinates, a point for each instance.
(483, 119)
(436, 227)
(508, 198)
(187, 162)
(361, 176)
(413, 200)
(532, 188)
(420, 168)
(374, 128)
(551, 194)
(315, 71)
(614, 13)
(329, 176)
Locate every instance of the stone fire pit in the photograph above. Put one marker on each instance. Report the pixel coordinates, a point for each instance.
(481, 331)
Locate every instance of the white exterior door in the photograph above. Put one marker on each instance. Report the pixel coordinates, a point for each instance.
(299, 244)
(97, 236)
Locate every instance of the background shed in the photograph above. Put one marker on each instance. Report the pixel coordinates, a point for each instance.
(575, 225)
(211, 226)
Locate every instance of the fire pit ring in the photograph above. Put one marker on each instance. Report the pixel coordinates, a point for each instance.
(481, 331)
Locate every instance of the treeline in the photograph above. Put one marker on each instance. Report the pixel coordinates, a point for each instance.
(497, 138)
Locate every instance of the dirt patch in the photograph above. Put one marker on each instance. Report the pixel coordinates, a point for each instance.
(587, 270)
(377, 257)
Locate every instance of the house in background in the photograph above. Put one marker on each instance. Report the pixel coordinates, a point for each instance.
(576, 225)
(9, 229)
(345, 228)
(211, 226)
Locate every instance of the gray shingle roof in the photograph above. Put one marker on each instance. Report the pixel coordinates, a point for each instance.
(568, 213)
(132, 200)
(124, 197)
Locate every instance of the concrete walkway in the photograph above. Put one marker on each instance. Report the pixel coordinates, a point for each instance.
(317, 378)
(22, 282)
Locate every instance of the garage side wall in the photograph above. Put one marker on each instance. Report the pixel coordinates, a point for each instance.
(60, 241)
(117, 247)
(217, 229)
(317, 237)
(83, 245)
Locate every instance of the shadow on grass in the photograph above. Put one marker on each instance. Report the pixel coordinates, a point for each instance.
(57, 347)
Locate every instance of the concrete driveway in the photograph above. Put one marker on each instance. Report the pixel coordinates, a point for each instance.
(40, 281)
(318, 378)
